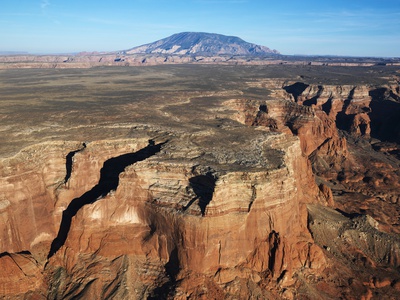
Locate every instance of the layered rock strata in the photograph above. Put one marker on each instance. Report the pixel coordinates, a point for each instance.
(169, 209)
(341, 131)
(291, 196)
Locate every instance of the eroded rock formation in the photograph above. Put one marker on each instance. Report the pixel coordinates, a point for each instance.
(341, 135)
(167, 211)
(292, 195)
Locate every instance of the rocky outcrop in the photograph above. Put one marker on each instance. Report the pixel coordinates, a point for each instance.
(22, 277)
(354, 110)
(166, 213)
(219, 195)
(29, 183)
(355, 244)
(337, 127)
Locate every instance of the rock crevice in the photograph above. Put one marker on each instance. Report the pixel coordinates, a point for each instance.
(109, 179)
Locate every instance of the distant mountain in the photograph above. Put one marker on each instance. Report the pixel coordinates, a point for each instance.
(201, 43)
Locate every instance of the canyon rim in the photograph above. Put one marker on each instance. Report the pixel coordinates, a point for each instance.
(219, 178)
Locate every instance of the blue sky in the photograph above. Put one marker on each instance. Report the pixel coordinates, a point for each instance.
(351, 27)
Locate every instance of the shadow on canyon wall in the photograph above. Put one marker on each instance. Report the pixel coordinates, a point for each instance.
(69, 161)
(384, 111)
(109, 179)
(385, 115)
(172, 268)
(203, 186)
(296, 89)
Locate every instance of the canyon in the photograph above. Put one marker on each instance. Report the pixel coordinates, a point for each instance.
(200, 181)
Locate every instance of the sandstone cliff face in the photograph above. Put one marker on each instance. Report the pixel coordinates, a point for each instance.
(166, 221)
(285, 197)
(336, 126)
(354, 110)
(341, 131)
(29, 181)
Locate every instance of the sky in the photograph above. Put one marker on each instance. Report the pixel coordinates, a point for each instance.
(324, 27)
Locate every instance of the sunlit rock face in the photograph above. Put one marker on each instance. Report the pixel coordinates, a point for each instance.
(216, 214)
(288, 192)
